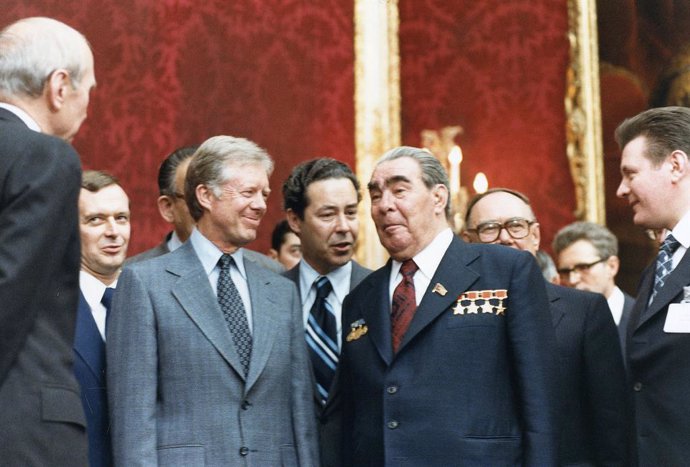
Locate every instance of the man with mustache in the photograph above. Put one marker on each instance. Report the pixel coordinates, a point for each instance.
(320, 198)
(104, 228)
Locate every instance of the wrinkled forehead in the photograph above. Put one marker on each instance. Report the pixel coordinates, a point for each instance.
(499, 207)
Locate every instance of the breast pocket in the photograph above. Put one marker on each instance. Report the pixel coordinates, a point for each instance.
(182, 455)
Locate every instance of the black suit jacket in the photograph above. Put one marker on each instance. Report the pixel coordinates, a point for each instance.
(89, 368)
(659, 373)
(593, 379)
(628, 305)
(39, 286)
(329, 419)
(476, 389)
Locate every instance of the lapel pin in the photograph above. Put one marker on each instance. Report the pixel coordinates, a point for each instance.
(440, 289)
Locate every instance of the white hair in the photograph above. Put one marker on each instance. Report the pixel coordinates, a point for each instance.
(33, 48)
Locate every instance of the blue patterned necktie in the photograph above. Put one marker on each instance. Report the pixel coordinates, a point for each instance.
(664, 264)
(322, 338)
(233, 310)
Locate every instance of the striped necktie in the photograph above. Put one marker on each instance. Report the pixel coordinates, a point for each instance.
(322, 338)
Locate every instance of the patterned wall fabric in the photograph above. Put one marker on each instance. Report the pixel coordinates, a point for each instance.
(174, 72)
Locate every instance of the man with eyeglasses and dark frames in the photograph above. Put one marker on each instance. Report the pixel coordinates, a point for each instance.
(587, 259)
(592, 374)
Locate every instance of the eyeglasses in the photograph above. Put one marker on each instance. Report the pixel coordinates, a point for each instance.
(517, 227)
(578, 268)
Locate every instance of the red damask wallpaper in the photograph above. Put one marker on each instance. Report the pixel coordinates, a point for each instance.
(175, 72)
(497, 68)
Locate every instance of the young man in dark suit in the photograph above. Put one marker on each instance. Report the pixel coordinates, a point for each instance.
(104, 227)
(320, 198)
(655, 168)
(591, 364)
(46, 74)
(439, 363)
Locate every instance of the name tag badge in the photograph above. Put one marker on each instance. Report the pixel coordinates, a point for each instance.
(678, 318)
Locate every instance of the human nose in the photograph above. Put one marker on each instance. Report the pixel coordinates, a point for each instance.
(504, 237)
(341, 223)
(111, 227)
(259, 202)
(623, 189)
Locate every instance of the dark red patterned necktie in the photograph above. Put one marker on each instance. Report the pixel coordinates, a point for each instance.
(404, 303)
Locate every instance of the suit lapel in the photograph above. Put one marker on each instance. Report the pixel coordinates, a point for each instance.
(264, 319)
(557, 312)
(193, 292)
(672, 287)
(376, 313)
(88, 343)
(455, 275)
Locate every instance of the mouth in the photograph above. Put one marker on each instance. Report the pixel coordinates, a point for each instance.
(342, 247)
(112, 249)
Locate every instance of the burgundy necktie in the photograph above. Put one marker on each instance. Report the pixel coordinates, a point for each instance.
(404, 303)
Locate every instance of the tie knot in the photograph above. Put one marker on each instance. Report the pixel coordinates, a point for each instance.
(107, 297)
(408, 268)
(323, 287)
(225, 262)
(670, 244)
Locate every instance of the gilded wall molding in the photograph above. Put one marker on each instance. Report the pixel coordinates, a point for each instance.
(583, 112)
(377, 106)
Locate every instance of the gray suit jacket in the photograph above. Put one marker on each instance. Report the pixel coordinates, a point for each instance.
(329, 421)
(253, 256)
(177, 393)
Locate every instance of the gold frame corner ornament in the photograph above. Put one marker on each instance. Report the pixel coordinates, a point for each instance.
(583, 112)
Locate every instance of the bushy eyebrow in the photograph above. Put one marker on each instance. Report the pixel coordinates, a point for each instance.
(388, 182)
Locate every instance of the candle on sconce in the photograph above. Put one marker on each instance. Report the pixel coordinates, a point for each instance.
(455, 158)
(481, 183)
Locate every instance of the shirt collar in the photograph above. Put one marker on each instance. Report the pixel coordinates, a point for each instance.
(681, 231)
(430, 257)
(92, 288)
(174, 241)
(209, 254)
(339, 278)
(23, 116)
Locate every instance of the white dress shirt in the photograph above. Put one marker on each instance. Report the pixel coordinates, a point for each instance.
(93, 290)
(340, 280)
(174, 243)
(681, 232)
(616, 302)
(427, 261)
(209, 254)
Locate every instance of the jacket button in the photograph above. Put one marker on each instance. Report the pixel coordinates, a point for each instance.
(392, 389)
(244, 451)
(393, 424)
(246, 404)
(637, 387)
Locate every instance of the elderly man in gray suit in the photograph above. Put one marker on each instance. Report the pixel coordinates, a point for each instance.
(207, 363)
(320, 198)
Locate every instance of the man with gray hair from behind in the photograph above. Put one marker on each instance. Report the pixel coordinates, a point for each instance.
(46, 74)
(587, 259)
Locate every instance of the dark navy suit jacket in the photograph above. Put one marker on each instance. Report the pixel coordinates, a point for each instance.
(659, 373)
(593, 379)
(328, 418)
(477, 389)
(89, 368)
